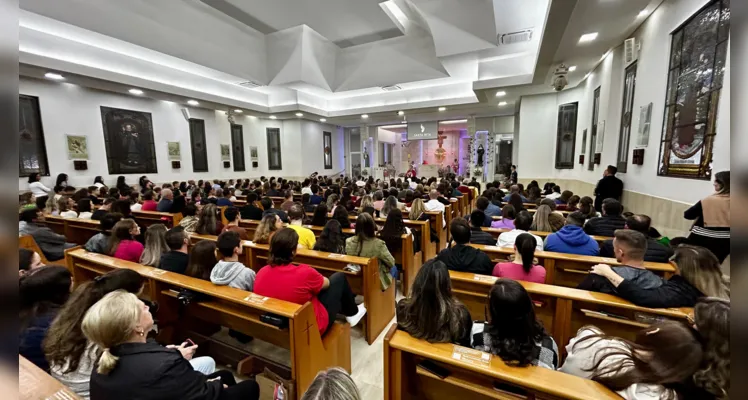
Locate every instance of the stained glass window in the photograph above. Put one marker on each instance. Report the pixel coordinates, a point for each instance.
(197, 146)
(566, 135)
(697, 66)
(32, 153)
(627, 110)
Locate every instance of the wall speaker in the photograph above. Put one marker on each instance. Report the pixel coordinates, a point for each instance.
(227, 164)
(581, 159)
(596, 160)
(638, 157)
(80, 165)
(176, 164)
(186, 113)
(255, 164)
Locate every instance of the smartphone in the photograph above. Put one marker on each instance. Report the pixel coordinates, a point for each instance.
(188, 340)
(435, 369)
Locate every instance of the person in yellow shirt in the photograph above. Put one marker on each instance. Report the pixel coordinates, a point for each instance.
(306, 236)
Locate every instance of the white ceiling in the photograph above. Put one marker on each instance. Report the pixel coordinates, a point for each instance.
(326, 58)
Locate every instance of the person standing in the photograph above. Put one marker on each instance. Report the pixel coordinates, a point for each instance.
(36, 187)
(712, 214)
(513, 176)
(608, 187)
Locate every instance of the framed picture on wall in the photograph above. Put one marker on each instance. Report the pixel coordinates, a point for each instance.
(128, 137)
(32, 153)
(327, 149)
(225, 152)
(600, 137)
(253, 155)
(77, 147)
(645, 117)
(175, 153)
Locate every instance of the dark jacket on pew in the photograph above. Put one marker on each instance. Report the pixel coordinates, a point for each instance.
(464, 258)
(250, 211)
(675, 292)
(604, 226)
(656, 251)
(151, 371)
(642, 278)
(477, 236)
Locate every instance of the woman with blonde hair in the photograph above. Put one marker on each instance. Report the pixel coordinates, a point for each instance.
(155, 245)
(65, 206)
(416, 209)
(208, 223)
(367, 201)
(130, 366)
(270, 224)
(697, 274)
(332, 384)
(541, 220)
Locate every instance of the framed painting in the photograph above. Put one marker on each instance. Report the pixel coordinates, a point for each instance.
(128, 138)
(77, 147)
(175, 153)
(327, 149)
(225, 152)
(32, 153)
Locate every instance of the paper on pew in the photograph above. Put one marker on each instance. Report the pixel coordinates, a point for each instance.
(257, 299)
(156, 272)
(247, 243)
(484, 278)
(335, 255)
(471, 356)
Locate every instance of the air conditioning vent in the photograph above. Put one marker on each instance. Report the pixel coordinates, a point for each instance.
(391, 88)
(249, 84)
(515, 37)
(630, 51)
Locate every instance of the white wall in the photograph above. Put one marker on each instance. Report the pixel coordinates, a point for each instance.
(72, 109)
(538, 115)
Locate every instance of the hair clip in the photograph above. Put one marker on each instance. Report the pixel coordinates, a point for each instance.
(98, 278)
(652, 332)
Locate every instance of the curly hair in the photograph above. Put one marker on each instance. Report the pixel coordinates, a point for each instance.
(712, 318)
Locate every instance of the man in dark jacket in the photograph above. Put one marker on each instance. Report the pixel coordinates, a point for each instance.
(571, 239)
(30, 222)
(477, 235)
(178, 257)
(250, 210)
(462, 257)
(609, 187)
(656, 251)
(609, 222)
(629, 247)
(267, 204)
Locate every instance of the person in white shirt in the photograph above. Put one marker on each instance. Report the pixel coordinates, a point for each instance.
(36, 187)
(664, 353)
(522, 223)
(135, 201)
(556, 193)
(434, 205)
(306, 188)
(98, 182)
(65, 205)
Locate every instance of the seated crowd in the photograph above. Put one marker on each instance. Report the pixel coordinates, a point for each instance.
(95, 338)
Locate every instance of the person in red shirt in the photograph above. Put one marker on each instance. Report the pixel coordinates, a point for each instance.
(281, 279)
(148, 203)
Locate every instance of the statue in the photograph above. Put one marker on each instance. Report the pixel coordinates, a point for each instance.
(366, 158)
(480, 152)
(440, 153)
(456, 166)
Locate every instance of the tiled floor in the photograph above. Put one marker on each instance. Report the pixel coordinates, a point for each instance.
(367, 361)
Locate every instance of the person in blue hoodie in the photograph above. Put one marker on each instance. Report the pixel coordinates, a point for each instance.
(571, 238)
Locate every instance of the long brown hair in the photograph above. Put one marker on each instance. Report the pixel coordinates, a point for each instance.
(155, 245)
(701, 268)
(207, 223)
(430, 312)
(65, 343)
(202, 260)
(120, 232)
(265, 229)
(712, 319)
(665, 353)
(366, 229)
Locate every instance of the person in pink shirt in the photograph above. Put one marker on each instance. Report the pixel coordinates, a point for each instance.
(522, 268)
(148, 203)
(122, 244)
(507, 218)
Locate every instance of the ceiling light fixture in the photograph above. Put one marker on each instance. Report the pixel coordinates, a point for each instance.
(394, 126)
(238, 111)
(454, 121)
(136, 91)
(52, 75)
(572, 68)
(323, 120)
(442, 108)
(273, 117)
(364, 116)
(252, 117)
(588, 37)
(193, 102)
(299, 114)
(401, 113)
(642, 13)
(500, 93)
(502, 103)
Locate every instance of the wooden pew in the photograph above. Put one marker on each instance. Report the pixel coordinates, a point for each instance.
(495, 232)
(436, 219)
(473, 375)
(233, 308)
(533, 210)
(28, 242)
(569, 270)
(564, 310)
(380, 306)
(35, 384)
(148, 218)
(76, 230)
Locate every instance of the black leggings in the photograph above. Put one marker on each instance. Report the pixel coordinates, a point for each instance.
(338, 298)
(245, 390)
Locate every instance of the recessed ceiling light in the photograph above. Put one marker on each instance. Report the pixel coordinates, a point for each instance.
(401, 113)
(442, 108)
(642, 13)
(454, 121)
(238, 111)
(502, 103)
(364, 116)
(500, 93)
(136, 91)
(273, 117)
(323, 120)
(252, 117)
(299, 114)
(52, 75)
(588, 37)
(572, 68)
(193, 102)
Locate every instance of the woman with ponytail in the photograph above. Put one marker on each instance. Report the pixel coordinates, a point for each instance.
(523, 267)
(130, 366)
